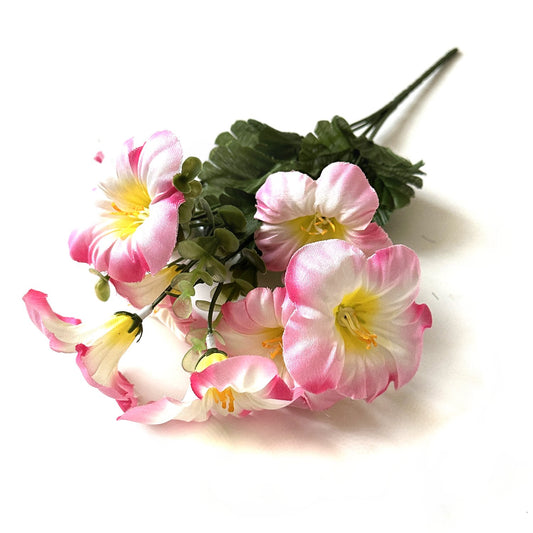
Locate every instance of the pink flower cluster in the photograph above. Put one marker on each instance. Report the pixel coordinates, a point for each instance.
(344, 325)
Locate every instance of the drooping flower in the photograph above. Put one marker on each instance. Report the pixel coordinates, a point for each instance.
(136, 227)
(296, 210)
(356, 327)
(255, 325)
(235, 386)
(144, 292)
(98, 349)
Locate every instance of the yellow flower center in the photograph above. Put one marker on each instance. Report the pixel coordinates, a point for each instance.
(225, 398)
(313, 228)
(353, 318)
(130, 208)
(319, 227)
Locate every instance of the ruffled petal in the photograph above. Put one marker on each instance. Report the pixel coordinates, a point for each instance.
(156, 237)
(144, 292)
(167, 409)
(64, 333)
(116, 386)
(252, 314)
(313, 353)
(278, 243)
(159, 160)
(402, 338)
(245, 373)
(343, 192)
(123, 163)
(369, 240)
(393, 275)
(320, 274)
(285, 196)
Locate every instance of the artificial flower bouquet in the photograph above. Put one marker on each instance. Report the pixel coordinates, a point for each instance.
(341, 323)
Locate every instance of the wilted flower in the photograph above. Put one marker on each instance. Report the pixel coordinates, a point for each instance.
(99, 348)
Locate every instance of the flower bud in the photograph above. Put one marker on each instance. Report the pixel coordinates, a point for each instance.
(208, 359)
(102, 289)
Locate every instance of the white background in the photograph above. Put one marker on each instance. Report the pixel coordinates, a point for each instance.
(451, 451)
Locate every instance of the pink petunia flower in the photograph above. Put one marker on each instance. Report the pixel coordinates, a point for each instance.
(235, 386)
(355, 327)
(136, 230)
(296, 210)
(256, 325)
(99, 348)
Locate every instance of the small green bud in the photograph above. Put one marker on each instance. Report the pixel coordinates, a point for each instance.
(102, 289)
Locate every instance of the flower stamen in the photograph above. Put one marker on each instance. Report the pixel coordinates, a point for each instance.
(224, 398)
(319, 225)
(347, 318)
(275, 345)
(139, 213)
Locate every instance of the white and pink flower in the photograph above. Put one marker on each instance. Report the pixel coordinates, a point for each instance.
(235, 386)
(136, 228)
(356, 327)
(296, 210)
(99, 349)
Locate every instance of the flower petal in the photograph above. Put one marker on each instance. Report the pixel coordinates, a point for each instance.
(343, 192)
(167, 409)
(285, 196)
(64, 333)
(369, 240)
(393, 275)
(159, 160)
(245, 373)
(313, 353)
(319, 274)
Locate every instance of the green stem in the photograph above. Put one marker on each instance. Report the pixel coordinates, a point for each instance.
(216, 294)
(377, 119)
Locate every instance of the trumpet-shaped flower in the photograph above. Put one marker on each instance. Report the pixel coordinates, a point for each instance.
(355, 327)
(136, 229)
(98, 349)
(144, 292)
(256, 325)
(296, 210)
(235, 386)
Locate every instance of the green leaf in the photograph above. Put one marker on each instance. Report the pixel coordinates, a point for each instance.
(191, 250)
(244, 157)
